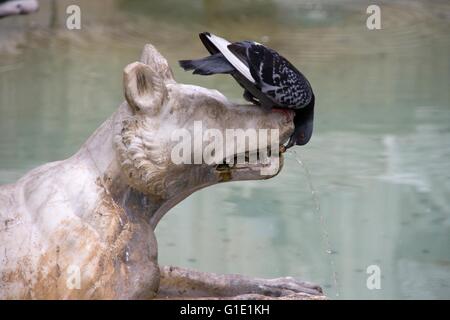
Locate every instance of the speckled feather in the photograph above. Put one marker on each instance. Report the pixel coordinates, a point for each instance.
(274, 75)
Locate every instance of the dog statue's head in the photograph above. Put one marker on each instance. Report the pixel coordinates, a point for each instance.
(172, 138)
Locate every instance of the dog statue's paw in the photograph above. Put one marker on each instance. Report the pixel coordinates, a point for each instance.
(283, 288)
(181, 283)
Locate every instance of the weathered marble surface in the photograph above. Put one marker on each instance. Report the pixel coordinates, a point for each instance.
(96, 212)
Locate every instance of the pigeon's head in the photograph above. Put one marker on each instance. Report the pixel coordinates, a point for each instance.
(304, 123)
(174, 139)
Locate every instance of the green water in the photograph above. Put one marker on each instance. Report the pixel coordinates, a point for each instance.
(379, 159)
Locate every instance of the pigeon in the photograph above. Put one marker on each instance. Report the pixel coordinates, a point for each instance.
(16, 7)
(269, 80)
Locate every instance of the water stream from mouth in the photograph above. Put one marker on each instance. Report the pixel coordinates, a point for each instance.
(323, 225)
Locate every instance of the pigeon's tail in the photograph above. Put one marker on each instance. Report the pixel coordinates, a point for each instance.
(209, 65)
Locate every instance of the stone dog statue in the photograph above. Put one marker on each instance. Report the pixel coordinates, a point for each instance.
(83, 228)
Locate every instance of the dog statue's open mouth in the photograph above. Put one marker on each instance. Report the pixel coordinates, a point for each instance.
(255, 158)
(252, 160)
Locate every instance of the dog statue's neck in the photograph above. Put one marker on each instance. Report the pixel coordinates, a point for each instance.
(115, 167)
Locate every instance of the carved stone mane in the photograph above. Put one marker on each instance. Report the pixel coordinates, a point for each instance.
(140, 156)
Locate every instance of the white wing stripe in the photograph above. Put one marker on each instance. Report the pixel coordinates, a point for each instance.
(222, 46)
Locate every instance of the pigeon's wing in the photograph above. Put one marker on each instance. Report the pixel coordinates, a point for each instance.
(240, 50)
(278, 78)
(216, 44)
(263, 69)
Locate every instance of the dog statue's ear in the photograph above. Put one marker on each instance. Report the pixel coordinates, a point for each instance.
(150, 56)
(145, 81)
(144, 88)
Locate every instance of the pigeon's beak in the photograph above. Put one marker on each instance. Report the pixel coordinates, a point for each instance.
(303, 121)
